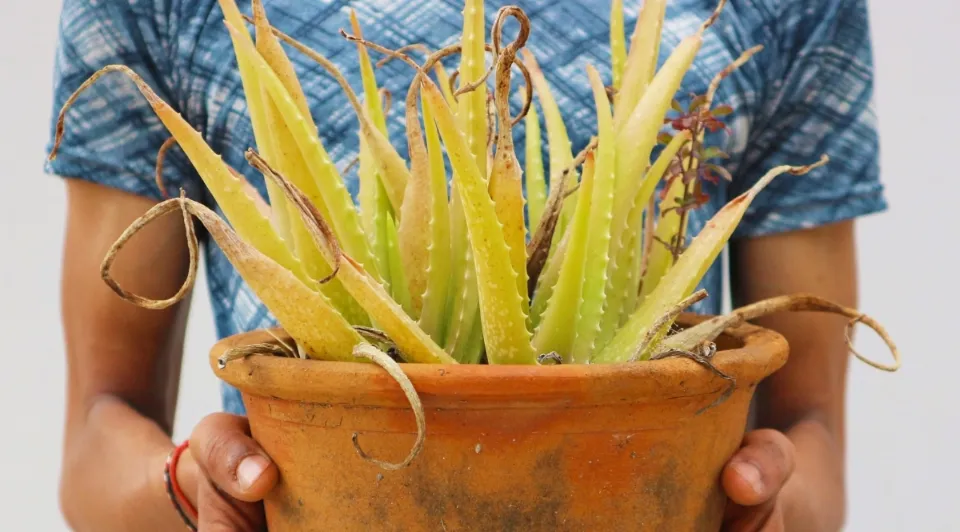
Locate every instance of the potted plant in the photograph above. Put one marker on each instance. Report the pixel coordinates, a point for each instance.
(441, 362)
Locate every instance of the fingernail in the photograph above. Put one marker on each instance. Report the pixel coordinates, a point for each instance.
(751, 474)
(250, 469)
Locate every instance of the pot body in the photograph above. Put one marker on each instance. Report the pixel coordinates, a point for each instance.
(632, 447)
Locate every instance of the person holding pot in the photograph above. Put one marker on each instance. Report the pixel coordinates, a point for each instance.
(809, 92)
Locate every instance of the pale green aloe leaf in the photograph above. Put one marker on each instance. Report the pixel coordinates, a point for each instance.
(618, 43)
(535, 182)
(597, 249)
(636, 140)
(399, 288)
(669, 226)
(414, 344)
(471, 116)
(504, 322)
(641, 63)
(404, 270)
(681, 280)
(557, 329)
(432, 318)
(624, 269)
(336, 198)
(548, 280)
(472, 111)
(558, 141)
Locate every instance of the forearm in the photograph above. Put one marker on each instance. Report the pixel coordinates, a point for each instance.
(113, 472)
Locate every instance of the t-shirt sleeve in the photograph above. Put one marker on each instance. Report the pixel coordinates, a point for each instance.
(111, 134)
(819, 100)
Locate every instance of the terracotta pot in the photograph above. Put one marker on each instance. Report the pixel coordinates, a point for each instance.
(575, 447)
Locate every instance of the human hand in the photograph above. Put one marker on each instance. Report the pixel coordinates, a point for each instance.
(231, 475)
(752, 480)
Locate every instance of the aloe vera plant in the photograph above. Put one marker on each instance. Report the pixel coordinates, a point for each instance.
(597, 273)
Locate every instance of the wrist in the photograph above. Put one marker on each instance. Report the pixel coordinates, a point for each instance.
(814, 499)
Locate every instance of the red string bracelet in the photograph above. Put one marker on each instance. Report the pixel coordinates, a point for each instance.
(180, 502)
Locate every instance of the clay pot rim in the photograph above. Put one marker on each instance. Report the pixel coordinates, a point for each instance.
(760, 353)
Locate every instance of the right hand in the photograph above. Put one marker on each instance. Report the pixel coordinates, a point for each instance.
(233, 475)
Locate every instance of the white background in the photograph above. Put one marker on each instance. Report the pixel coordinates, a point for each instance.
(903, 428)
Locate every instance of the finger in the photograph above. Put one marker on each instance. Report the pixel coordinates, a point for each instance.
(220, 514)
(760, 468)
(222, 446)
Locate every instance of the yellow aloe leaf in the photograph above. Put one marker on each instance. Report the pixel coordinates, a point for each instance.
(641, 63)
(258, 120)
(443, 79)
(618, 43)
(557, 329)
(536, 184)
(504, 322)
(336, 198)
(681, 280)
(597, 249)
(303, 312)
(415, 220)
(506, 181)
(227, 189)
(390, 165)
(414, 344)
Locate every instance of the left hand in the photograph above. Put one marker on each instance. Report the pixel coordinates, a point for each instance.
(752, 480)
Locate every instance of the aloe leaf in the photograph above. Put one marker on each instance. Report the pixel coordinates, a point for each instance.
(668, 227)
(403, 270)
(432, 319)
(415, 220)
(624, 269)
(506, 181)
(304, 313)
(391, 167)
(471, 116)
(682, 279)
(472, 111)
(414, 344)
(557, 329)
(227, 189)
(503, 319)
(558, 142)
(597, 250)
(258, 120)
(641, 63)
(618, 43)
(535, 183)
(548, 280)
(336, 198)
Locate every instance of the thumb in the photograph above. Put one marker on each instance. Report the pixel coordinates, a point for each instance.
(760, 468)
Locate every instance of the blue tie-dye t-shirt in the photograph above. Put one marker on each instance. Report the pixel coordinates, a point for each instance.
(809, 92)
